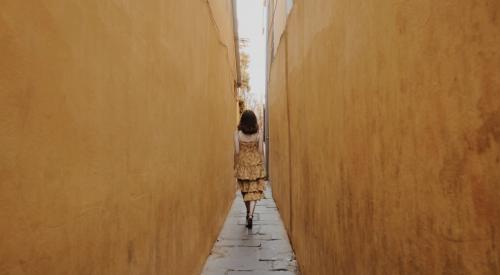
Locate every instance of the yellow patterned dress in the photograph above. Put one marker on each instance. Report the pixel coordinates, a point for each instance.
(250, 171)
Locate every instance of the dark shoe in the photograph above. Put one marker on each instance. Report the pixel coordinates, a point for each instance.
(249, 222)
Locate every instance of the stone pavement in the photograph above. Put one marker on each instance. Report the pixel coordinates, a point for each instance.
(264, 249)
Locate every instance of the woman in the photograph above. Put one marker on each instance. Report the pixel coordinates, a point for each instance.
(248, 162)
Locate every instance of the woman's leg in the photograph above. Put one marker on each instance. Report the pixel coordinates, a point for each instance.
(250, 214)
(252, 208)
(247, 203)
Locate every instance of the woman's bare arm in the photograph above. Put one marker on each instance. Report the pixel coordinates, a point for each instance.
(261, 144)
(236, 148)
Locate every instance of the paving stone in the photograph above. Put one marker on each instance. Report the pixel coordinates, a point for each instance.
(241, 264)
(288, 265)
(264, 249)
(282, 245)
(258, 222)
(240, 243)
(279, 272)
(269, 216)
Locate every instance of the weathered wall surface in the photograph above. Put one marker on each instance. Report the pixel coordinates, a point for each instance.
(279, 137)
(221, 15)
(115, 148)
(277, 17)
(394, 115)
(279, 21)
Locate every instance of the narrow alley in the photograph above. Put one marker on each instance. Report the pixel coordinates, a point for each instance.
(264, 249)
(123, 134)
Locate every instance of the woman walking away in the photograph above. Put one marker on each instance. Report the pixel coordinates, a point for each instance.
(248, 162)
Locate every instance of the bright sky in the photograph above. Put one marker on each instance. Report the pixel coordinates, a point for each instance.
(251, 21)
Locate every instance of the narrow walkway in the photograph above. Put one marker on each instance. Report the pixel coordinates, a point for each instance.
(264, 249)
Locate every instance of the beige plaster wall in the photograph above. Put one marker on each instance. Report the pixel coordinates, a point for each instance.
(116, 123)
(394, 118)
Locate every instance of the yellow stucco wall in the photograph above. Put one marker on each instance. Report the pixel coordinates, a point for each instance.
(279, 21)
(394, 114)
(221, 11)
(277, 18)
(116, 123)
(279, 136)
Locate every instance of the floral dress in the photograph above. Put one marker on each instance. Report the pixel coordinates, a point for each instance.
(250, 170)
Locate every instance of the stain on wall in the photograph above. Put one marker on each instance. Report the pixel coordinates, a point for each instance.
(110, 160)
(393, 123)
